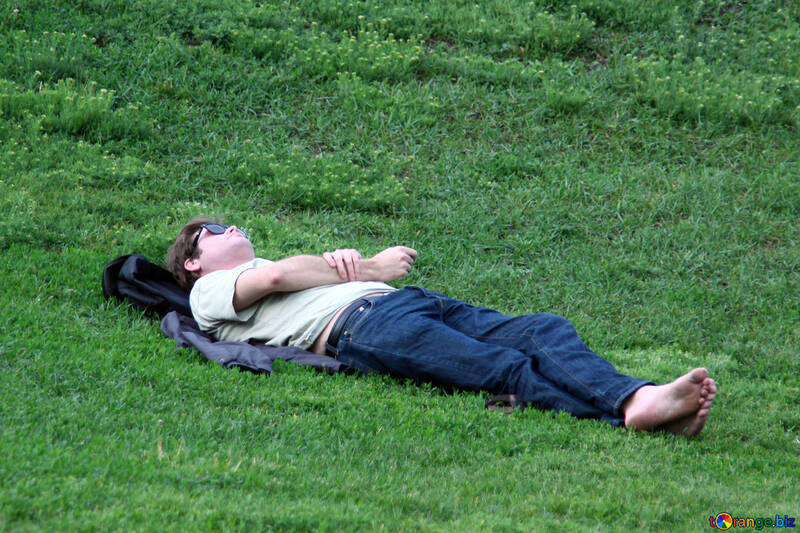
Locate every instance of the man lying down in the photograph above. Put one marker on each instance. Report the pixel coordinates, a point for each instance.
(339, 304)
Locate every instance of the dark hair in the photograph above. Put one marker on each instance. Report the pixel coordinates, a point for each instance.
(181, 250)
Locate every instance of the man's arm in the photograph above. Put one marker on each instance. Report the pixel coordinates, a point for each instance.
(306, 271)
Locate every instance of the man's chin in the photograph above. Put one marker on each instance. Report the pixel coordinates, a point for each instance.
(246, 251)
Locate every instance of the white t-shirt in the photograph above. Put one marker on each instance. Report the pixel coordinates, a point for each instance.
(279, 319)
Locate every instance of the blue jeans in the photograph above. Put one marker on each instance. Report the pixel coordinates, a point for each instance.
(419, 334)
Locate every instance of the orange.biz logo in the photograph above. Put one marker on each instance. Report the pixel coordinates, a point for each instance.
(727, 521)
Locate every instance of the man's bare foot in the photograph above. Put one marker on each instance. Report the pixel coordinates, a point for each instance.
(680, 407)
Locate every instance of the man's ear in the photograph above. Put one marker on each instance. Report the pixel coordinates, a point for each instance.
(192, 265)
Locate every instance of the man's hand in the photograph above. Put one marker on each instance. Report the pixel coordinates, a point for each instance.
(347, 263)
(390, 264)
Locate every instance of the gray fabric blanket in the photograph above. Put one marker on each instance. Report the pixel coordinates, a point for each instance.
(251, 356)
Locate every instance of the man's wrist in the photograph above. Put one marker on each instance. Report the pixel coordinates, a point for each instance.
(368, 270)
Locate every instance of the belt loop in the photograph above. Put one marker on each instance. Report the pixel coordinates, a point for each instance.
(333, 351)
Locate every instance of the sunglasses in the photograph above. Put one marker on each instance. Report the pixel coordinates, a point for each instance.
(216, 229)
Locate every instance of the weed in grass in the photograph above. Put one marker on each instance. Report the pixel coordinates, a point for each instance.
(84, 112)
(46, 57)
(692, 93)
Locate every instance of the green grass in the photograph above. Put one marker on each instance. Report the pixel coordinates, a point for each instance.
(633, 167)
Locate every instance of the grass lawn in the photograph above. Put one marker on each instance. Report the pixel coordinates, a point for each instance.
(633, 167)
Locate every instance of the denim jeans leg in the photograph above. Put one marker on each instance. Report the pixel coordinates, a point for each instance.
(412, 333)
(554, 347)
